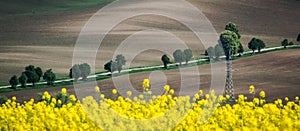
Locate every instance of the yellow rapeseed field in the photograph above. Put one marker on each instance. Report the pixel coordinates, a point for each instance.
(150, 112)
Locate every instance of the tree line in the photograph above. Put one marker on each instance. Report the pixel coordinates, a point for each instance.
(32, 75)
(229, 45)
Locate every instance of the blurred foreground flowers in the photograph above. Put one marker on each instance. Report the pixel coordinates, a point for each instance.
(202, 112)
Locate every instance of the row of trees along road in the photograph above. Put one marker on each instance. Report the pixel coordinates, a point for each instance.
(116, 65)
(179, 57)
(285, 42)
(32, 75)
(256, 44)
(229, 44)
(227, 36)
(80, 70)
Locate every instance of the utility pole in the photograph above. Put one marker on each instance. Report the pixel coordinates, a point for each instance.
(229, 83)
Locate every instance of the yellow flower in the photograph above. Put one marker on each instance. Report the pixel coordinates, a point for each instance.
(46, 96)
(262, 94)
(227, 96)
(153, 97)
(296, 98)
(242, 115)
(32, 100)
(286, 99)
(256, 101)
(262, 101)
(102, 96)
(64, 91)
(141, 96)
(129, 93)
(97, 89)
(207, 96)
(114, 91)
(201, 92)
(14, 98)
(146, 84)
(251, 89)
(72, 98)
(53, 100)
(196, 96)
(46, 93)
(166, 87)
(59, 102)
(241, 98)
(171, 91)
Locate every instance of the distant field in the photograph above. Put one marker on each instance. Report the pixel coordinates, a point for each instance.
(46, 37)
(277, 73)
(32, 7)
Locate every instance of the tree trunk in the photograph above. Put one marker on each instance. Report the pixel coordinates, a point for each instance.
(165, 65)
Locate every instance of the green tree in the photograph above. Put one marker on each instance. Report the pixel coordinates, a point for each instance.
(240, 49)
(120, 60)
(188, 55)
(179, 56)
(260, 44)
(31, 75)
(234, 28)
(298, 38)
(22, 80)
(49, 77)
(75, 72)
(252, 45)
(285, 43)
(210, 52)
(110, 66)
(14, 82)
(85, 70)
(218, 51)
(29, 67)
(291, 43)
(166, 60)
(230, 43)
(256, 44)
(39, 72)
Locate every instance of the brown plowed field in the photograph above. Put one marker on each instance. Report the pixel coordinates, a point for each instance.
(48, 40)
